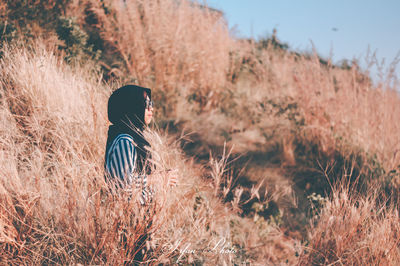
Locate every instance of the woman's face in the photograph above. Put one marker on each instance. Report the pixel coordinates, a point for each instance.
(148, 111)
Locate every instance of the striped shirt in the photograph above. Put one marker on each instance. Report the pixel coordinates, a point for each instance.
(121, 165)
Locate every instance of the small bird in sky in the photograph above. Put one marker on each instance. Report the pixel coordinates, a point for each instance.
(335, 29)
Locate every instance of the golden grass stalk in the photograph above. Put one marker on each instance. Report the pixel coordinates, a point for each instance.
(354, 230)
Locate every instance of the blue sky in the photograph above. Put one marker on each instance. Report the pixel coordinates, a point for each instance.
(343, 29)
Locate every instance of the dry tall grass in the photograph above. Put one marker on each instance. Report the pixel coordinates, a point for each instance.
(353, 230)
(184, 50)
(55, 208)
(166, 44)
(340, 107)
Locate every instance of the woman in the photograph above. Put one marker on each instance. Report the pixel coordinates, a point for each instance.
(130, 110)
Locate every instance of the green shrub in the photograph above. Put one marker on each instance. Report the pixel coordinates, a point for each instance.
(76, 41)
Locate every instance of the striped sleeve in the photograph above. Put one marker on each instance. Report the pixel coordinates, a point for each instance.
(121, 166)
(120, 160)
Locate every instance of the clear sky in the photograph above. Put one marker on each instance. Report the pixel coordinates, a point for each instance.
(341, 28)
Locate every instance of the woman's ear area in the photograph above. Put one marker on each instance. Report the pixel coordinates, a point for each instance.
(148, 93)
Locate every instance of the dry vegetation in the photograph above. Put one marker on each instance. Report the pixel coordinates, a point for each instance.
(292, 124)
(55, 207)
(354, 230)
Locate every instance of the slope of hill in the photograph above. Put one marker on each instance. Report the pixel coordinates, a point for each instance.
(283, 158)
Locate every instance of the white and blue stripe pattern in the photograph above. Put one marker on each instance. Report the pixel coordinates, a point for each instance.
(121, 165)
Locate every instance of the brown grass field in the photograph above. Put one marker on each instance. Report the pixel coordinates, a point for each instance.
(282, 158)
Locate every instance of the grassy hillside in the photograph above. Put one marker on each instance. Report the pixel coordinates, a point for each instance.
(283, 158)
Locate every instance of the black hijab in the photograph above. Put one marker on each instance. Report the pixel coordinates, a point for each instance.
(126, 108)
